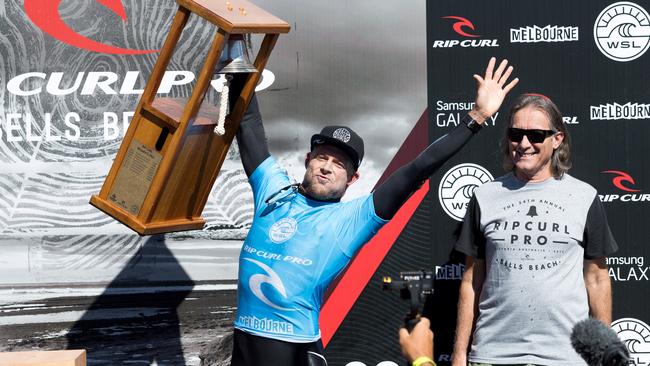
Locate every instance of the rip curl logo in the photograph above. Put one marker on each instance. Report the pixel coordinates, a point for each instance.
(45, 15)
(635, 334)
(464, 28)
(624, 182)
(255, 284)
(457, 187)
(341, 134)
(461, 24)
(283, 230)
(621, 180)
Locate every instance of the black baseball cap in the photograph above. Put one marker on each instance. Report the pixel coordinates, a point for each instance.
(343, 138)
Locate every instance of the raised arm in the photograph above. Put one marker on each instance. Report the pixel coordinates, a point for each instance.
(251, 138)
(491, 91)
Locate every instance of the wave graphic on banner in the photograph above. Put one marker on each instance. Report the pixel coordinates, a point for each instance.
(230, 202)
(56, 201)
(80, 252)
(8, 195)
(47, 203)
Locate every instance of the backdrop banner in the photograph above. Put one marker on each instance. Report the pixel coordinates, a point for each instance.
(591, 59)
(71, 74)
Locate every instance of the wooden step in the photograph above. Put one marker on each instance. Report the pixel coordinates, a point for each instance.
(44, 358)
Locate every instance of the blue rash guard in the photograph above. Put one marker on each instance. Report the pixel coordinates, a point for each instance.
(295, 248)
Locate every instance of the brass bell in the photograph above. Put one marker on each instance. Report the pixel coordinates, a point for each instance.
(235, 57)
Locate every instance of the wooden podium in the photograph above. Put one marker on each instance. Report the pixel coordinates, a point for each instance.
(44, 358)
(170, 157)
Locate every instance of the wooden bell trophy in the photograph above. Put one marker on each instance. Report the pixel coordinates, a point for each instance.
(173, 149)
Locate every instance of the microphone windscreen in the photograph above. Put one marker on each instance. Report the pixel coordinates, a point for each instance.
(591, 338)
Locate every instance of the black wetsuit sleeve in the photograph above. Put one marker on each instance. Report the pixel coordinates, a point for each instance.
(391, 194)
(251, 138)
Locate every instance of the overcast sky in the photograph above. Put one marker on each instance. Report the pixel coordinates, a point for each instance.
(360, 63)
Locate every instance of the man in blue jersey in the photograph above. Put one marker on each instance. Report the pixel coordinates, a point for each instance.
(303, 236)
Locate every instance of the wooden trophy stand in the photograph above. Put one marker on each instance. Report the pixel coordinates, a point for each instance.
(170, 157)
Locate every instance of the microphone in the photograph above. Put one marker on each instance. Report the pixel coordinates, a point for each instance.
(598, 344)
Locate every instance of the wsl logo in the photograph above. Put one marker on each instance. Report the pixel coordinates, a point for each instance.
(45, 15)
(464, 28)
(635, 334)
(622, 31)
(457, 187)
(283, 230)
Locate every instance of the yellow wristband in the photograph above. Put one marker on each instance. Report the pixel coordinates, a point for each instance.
(422, 360)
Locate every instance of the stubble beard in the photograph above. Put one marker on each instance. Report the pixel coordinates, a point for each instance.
(318, 191)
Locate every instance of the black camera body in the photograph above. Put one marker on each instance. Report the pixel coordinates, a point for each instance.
(413, 286)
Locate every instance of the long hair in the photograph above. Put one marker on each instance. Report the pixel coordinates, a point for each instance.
(561, 158)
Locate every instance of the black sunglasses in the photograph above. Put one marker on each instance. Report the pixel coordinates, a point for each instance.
(534, 136)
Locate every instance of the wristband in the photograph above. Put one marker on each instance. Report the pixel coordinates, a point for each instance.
(471, 124)
(422, 360)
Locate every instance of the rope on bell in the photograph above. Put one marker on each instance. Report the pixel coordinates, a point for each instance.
(220, 129)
